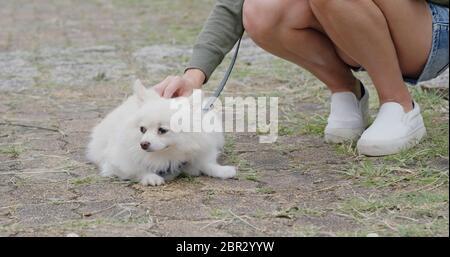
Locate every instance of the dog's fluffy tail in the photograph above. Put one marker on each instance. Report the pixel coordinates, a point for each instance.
(95, 149)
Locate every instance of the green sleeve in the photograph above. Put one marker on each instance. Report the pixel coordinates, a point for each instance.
(220, 33)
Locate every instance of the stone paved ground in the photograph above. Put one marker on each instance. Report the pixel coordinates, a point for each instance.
(64, 64)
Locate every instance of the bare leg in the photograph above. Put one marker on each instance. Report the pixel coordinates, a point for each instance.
(289, 30)
(388, 38)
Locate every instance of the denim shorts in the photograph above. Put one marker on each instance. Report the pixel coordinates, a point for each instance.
(438, 59)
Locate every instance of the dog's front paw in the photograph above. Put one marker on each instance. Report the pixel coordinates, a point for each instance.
(225, 172)
(152, 180)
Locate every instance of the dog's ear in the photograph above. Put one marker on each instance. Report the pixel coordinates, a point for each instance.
(139, 91)
(152, 94)
(143, 94)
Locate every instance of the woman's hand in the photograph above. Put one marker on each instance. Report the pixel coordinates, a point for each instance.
(175, 86)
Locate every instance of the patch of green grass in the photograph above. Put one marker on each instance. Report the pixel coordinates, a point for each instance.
(229, 150)
(101, 76)
(246, 171)
(219, 213)
(313, 125)
(252, 177)
(14, 228)
(347, 148)
(273, 69)
(285, 130)
(414, 202)
(172, 27)
(183, 34)
(430, 229)
(283, 70)
(367, 172)
(83, 181)
(187, 178)
(13, 151)
(401, 214)
(428, 100)
(278, 129)
(209, 195)
(249, 71)
(87, 223)
(265, 190)
(378, 175)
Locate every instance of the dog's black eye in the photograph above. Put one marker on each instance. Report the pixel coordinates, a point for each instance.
(143, 130)
(162, 131)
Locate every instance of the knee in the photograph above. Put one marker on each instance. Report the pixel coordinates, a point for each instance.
(260, 19)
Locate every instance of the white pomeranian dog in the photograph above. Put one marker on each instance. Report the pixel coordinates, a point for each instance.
(135, 142)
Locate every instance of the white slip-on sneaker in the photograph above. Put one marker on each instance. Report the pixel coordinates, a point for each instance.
(392, 131)
(349, 117)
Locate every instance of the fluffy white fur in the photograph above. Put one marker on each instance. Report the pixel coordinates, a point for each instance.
(115, 144)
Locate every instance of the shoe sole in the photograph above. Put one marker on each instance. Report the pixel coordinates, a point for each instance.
(338, 136)
(372, 148)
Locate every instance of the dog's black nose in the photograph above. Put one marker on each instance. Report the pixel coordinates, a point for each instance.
(145, 145)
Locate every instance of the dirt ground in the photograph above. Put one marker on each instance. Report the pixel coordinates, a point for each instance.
(64, 64)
